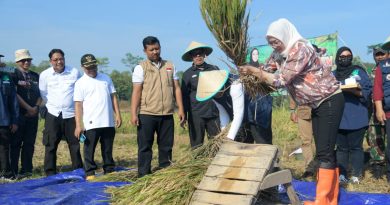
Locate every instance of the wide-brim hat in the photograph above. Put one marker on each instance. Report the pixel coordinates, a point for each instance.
(193, 46)
(210, 83)
(386, 44)
(22, 54)
(1, 56)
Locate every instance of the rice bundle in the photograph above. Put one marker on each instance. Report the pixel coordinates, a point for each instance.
(228, 22)
(172, 185)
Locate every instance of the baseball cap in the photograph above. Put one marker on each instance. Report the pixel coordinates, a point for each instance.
(88, 60)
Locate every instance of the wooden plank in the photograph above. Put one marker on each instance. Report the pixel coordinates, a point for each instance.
(236, 148)
(260, 162)
(205, 197)
(230, 186)
(199, 203)
(249, 174)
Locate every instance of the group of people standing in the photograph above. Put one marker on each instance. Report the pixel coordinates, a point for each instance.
(71, 104)
(87, 105)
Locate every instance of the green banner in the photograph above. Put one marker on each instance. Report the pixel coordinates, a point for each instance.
(328, 44)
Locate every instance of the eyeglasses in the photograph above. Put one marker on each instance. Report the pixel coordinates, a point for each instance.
(25, 60)
(58, 59)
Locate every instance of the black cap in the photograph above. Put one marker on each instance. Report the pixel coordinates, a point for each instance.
(88, 60)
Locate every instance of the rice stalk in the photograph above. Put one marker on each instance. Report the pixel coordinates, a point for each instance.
(228, 22)
(174, 184)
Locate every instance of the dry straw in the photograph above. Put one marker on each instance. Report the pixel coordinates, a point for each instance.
(228, 22)
(172, 185)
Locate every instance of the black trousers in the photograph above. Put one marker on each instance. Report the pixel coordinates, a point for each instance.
(55, 129)
(250, 133)
(197, 127)
(5, 135)
(326, 120)
(163, 126)
(22, 145)
(106, 136)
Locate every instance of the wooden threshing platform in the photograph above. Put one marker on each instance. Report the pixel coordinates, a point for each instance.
(239, 172)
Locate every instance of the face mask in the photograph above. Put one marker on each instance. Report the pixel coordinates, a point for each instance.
(345, 61)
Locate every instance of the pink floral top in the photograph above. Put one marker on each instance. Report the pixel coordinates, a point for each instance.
(307, 80)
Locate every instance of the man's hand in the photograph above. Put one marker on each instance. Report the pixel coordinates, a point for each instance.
(118, 121)
(182, 118)
(294, 117)
(13, 128)
(134, 120)
(77, 132)
(33, 111)
(380, 116)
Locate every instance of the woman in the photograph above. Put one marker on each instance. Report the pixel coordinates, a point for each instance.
(254, 61)
(355, 119)
(312, 84)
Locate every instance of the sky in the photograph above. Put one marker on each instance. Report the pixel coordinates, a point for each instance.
(113, 28)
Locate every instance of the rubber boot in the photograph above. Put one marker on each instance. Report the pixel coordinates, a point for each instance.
(334, 194)
(325, 186)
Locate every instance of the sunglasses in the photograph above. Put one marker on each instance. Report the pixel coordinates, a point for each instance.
(25, 60)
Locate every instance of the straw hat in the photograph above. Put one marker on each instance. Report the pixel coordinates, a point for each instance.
(386, 44)
(195, 45)
(210, 83)
(22, 54)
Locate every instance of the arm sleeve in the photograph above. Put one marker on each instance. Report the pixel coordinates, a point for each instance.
(378, 90)
(366, 86)
(78, 93)
(111, 86)
(14, 106)
(185, 91)
(138, 74)
(237, 93)
(175, 76)
(43, 86)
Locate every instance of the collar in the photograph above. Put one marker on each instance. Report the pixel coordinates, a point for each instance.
(66, 70)
(158, 64)
(202, 67)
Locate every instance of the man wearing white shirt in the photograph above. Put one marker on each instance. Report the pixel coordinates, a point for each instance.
(155, 91)
(56, 85)
(95, 104)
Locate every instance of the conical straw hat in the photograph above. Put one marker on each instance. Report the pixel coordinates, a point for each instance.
(195, 45)
(386, 44)
(210, 83)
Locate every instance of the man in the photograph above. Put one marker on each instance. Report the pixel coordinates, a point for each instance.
(95, 104)
(155, 89)
(202, 116)
(29, 98)
(56, 85)
(9, 110)
(382, 99)
(376, 133)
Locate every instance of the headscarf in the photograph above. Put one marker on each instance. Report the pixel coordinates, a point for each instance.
(285, 31)
(343, 72)
(253, 63)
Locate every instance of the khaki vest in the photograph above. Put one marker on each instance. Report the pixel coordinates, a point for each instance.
(157, 97)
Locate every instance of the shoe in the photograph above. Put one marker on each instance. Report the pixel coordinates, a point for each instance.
(343, 179)
(354, 180)
(24, 175)
(90, 177)
(334, 194)
(325, 187)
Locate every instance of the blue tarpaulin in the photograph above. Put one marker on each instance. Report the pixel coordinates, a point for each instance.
(71, 188)
(64, 188)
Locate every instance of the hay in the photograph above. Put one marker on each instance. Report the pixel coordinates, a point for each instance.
(228, 22)
(174, 184)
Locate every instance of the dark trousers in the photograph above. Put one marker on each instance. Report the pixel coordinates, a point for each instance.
(197, 127)
(163, 126)
(55, 129)
(387, 155)
(5, 135)
(22, 145)
(106, 136)
(326, 120)
(250, 133)
(350, 149)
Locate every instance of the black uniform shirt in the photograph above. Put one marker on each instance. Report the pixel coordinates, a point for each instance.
(27, 87)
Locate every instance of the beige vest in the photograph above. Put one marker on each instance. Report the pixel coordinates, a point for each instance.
(157, 97)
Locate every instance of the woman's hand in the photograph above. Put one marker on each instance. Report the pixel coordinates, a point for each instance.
(247, 69)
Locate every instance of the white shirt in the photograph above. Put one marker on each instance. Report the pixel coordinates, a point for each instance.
(237, 94)
(138, 73)
(57, 90)
(95, 93)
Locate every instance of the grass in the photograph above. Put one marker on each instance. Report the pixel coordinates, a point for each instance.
(125, 150)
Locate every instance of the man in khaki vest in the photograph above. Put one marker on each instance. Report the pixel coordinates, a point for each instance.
(155, 90)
